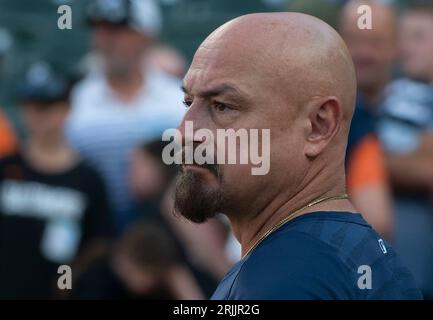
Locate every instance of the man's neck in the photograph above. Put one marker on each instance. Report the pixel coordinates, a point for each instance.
(50, 154)
(249, 230)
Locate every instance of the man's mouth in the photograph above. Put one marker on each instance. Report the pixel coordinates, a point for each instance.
(203, 168)
(195, 167)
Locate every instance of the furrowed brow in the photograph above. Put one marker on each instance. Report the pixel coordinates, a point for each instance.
(219, 90)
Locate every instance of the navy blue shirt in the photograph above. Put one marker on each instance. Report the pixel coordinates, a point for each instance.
(320, 255)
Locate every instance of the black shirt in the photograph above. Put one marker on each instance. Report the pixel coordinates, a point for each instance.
(100, 282)
(45, 219)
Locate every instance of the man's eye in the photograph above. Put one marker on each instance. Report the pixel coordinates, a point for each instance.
(187, 103)
(220, 107)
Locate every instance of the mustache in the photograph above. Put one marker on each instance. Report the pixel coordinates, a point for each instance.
(212, 167)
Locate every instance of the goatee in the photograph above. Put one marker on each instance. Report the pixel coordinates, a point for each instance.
(194, 200)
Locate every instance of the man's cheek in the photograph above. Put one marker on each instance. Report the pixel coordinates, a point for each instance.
(235, 174)
(210, 179)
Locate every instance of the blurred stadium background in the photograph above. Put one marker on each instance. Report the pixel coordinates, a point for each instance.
(29, 33)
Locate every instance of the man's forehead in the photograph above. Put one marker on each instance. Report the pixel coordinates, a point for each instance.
(211, 80)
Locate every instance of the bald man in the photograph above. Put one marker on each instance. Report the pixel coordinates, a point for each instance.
(301, 237)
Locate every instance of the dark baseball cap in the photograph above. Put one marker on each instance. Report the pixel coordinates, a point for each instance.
(143, 16)
(43, 85)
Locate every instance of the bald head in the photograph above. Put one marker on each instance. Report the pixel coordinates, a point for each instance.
(288, 73)
(295, 55)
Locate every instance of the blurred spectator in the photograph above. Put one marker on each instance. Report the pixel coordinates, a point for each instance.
(374, 51)
(149, 176)
(416, 43)
(406, 130)
(374, 54)
(52, 205)
(127, 101)
(144, 264)
(169, 60)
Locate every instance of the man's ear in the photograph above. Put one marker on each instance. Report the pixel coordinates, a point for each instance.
(325, 116)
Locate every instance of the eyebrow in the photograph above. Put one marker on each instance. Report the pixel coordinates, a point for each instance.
(221, 89)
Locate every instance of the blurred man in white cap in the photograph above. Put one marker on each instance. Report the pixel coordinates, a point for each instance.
(125, 100)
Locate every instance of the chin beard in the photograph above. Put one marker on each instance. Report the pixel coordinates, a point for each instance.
(195, 201)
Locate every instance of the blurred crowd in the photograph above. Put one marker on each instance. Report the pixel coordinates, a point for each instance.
(85, 184)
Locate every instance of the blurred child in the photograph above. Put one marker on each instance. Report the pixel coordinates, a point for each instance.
(149, 178)
(144, 264)
(53, 206)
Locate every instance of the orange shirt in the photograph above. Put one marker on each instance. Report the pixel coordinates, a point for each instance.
(366, 164)
(8, 141)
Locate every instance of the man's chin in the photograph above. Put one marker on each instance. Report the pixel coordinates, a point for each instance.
(194, 198)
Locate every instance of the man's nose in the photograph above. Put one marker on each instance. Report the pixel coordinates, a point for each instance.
(192, 121)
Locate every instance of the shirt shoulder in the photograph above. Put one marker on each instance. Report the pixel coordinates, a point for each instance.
(324, 255)
(291, 266)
